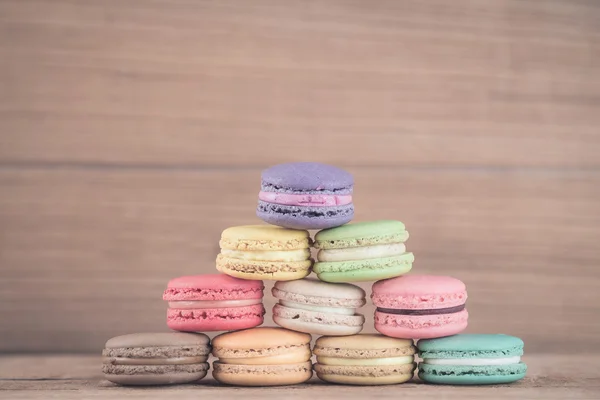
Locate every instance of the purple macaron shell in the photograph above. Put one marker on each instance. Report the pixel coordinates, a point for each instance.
(306, 176)
(295, 217)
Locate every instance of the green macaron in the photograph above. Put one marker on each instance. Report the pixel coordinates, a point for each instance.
(471, 359)
(362, 251)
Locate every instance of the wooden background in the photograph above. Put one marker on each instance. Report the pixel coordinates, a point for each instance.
(133, 132)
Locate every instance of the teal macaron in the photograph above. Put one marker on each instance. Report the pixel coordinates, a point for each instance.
(471, 359)
(362, 251)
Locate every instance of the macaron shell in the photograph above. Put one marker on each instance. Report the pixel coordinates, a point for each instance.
(218, 319)
(472, 346)
(419, 292)
(212, 287)
(264, 237)
(298, 217)
(365, 380)
(302, 325)
(365, 375)
(366, 275)
(263, 270)
(371, 263)
(272, 276)
(364, 270)
(156, 354)
(156, 375)
(419, 284)
(472, 375)
(421, 326)
(362, 234)
(367, 345)
(306, 176)
(153, 340)
(262, 375)
(312, 291)
(274, 340)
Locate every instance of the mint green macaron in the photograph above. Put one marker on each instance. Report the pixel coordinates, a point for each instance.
(362, 251)
(471, 359)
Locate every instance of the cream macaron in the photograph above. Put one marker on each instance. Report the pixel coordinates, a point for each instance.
(312, 306)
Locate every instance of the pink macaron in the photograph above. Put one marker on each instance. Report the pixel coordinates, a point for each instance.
(420, 306)
(215, 302)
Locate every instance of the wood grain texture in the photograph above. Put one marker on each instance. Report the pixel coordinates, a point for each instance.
(85, 255)
(187, 82)
(75, 377)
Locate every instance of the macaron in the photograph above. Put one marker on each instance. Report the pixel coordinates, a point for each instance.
(420, 306)
(306, 195)
(471, 359)
(265, 252)
(214, 302)
(311, 306)
(262, 357)
(363, 251)
(156, 358)
(364, 359)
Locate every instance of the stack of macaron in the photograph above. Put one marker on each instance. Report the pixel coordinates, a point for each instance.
(294, 199)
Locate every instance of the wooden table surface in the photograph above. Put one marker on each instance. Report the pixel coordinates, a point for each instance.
(78, 376)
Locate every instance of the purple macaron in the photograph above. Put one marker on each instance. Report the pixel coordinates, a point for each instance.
(306, 195)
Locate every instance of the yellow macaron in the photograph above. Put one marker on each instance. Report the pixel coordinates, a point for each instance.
(366, 359)
(265, 252)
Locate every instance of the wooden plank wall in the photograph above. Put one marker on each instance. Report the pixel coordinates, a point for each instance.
(133, 132)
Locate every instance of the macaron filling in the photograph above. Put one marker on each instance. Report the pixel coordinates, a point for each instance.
(312, 200)
(310, 189)
(263, 255)
(320, 309)
(365, 361)
(473, 361)
(361, 253)
(435, 311)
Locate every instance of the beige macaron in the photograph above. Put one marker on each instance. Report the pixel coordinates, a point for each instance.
(367, 359)
(262, 357)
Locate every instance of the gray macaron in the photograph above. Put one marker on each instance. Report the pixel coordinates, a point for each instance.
(156, 358)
